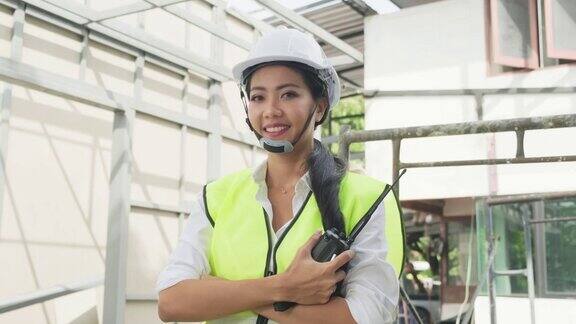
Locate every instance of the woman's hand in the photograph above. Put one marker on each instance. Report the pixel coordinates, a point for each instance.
(308, 282)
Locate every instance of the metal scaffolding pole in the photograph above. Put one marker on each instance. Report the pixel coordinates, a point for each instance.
(215, 105)
(529, 265)
(132, 9)
(184, 136)
(119, 210)
(119, 207)
(214, 27)
(6, 98)
(47, 294)
(491, 273)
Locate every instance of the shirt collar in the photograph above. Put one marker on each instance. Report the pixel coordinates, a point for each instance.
(259, 175)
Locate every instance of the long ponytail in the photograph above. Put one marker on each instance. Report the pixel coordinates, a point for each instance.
(326, 173)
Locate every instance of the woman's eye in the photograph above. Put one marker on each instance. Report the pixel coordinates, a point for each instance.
(289, 95)
(255, 98)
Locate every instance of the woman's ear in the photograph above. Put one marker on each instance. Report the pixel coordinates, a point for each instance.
(321, 110)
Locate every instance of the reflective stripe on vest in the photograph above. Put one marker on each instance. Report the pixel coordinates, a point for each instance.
(241, 243)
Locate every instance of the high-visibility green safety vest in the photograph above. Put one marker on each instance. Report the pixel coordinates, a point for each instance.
(241, 239)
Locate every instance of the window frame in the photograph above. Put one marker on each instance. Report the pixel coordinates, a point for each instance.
(551, 50)
(531, 62)
(544, 53)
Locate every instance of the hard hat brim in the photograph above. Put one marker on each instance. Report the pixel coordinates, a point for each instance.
(239, 68)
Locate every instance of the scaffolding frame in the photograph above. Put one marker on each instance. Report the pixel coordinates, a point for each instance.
(518, 125)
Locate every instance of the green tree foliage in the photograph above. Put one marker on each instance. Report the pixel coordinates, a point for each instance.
(353, 107)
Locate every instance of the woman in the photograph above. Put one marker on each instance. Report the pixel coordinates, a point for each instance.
(248, 239)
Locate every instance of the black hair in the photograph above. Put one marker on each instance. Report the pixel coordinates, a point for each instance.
(326, 173)
(326, 170)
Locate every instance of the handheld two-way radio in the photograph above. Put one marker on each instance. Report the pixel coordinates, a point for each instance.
(334, 242)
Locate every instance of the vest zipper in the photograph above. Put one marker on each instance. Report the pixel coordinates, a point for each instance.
(261, 319)
(281, 238)
(269, 235)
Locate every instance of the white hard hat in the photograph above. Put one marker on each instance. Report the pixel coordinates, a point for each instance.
(288, 44)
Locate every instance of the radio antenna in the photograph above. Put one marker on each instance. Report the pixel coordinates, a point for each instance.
(366, 217)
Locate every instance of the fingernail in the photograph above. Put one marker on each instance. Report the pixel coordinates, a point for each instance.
(351, 253)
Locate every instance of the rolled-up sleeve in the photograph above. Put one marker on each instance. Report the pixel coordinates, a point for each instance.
(189, 260)
(371, 285)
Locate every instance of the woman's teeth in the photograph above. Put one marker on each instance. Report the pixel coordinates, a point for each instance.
(276, 129)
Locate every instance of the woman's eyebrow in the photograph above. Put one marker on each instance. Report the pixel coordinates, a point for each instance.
(280, 87)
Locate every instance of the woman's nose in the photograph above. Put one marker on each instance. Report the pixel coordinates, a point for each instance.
(272, 108)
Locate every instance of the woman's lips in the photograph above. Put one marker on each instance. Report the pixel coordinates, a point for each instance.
(276, 132)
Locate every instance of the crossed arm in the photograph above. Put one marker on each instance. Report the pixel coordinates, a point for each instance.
(205, 299)
(306, 282)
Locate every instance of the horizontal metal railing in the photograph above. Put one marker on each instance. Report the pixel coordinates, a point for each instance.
(43, 295)
(517, 125)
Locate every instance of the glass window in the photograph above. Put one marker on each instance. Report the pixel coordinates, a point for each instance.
(421, 277)
(511, 243)
(560, 246)
(554, 254)
(510, 248)
(458, 246)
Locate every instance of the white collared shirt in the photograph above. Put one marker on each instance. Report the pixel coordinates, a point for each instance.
(371, 284)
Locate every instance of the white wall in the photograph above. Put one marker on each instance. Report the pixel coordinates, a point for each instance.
(54, 215)
(55, 201)
(443, 46)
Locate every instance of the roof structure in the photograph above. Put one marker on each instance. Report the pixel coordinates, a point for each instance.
(338, 25)
(343, 19)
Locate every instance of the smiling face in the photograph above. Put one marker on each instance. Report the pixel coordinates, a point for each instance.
(280, 102)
